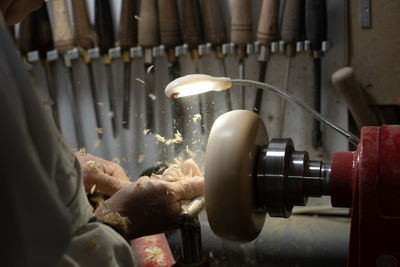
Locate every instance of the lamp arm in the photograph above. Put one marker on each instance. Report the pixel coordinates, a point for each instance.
(351, 137)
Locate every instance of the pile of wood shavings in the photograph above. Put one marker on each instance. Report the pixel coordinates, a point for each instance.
(180, 171)
(176, 140)
(155, 254)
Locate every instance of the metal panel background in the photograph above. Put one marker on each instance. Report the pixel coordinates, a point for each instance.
(375, 50)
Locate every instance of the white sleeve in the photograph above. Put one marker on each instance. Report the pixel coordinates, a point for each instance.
(96, 244)
(44, 205)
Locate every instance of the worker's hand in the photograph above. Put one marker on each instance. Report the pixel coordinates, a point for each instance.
(187, 169)
(101, 175)
(150, 205)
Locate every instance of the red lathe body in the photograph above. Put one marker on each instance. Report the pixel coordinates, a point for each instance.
(368, 181)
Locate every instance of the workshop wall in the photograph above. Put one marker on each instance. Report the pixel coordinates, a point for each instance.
(137, 151)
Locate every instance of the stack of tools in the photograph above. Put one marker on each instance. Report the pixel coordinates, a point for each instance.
(103, 82)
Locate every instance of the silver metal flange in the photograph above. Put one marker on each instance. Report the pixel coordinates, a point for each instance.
(286, 177)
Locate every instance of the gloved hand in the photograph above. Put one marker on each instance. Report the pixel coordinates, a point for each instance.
(152, 204)
(103, 176)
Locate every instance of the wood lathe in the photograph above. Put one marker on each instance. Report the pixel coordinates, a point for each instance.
(248, 176)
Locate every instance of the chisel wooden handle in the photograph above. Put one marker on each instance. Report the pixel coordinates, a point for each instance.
(127, 35)
(267, 30)
(168, 15)
(148, 24)
(192, 23)
(62, 31)
(36, 34)
(241, 30)
(315, 22)
(84, 35)
(25, 41)
(291, 27)
(103, 25)
(214, 26)
(44, 38)
(349, 88)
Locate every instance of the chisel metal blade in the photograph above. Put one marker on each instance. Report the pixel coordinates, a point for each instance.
(96, 100)
(112, 98)
(150, 96)
(76, 110)
(126, 95)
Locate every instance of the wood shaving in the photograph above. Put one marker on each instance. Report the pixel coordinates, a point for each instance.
(110, 114)
(146, 131)
(96, 144)
(176, 140)
(100, 104)
(140, 158)
(160, 138)
(149, 69)
(82, 151)
(155, 254)
(152, 97)
(93, 189)
(116, 160)
(196, 117)
(100, 130)
(140, 80)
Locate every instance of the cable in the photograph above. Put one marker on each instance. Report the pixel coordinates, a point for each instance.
(351, 137)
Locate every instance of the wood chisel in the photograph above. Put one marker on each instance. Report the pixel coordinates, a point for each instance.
(215, 33)
(148, 37)
(170, 37)
(64, 41)
(291, 33)
(35, 35)
(194, 36)
(241, 33)
(84, 40)
(267, 33)
(105, 40)
(127, 38)
(315, 26)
